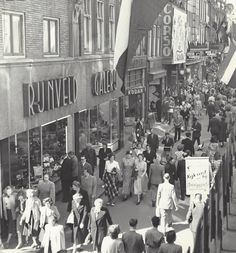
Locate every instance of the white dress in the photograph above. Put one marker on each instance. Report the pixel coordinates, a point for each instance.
(140, 183)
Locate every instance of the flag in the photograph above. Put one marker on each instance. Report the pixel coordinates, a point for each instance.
(135, 19)
(228, 66)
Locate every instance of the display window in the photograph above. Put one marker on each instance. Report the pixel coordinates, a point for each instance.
(134, 106)
(27, 155)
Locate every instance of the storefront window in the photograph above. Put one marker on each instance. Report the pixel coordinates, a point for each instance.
(94, 126)
(133, 106)
(5, 163)
(114, 120)
(104, 123)
(83, 129)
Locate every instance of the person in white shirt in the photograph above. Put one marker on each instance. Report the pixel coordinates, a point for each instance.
(111, 178)
(166, 201)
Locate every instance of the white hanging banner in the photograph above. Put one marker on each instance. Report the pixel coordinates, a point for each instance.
(197, 175)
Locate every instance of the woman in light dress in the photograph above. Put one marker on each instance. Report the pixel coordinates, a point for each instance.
(127, 168)
(141, 179)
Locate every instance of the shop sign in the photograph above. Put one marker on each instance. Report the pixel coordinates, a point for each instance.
(167, 30)
(48, 95)
(138, 62)
(135, 90)
(104, 82)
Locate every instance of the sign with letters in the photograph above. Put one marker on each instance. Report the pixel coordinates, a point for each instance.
(197, 175)
(48, 95)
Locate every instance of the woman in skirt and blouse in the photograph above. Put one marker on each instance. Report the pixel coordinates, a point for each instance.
(141, 179)
(110, 179)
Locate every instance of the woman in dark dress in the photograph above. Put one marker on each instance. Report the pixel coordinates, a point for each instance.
(102, 155)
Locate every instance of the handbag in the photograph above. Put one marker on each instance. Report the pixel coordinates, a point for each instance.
(70, 218)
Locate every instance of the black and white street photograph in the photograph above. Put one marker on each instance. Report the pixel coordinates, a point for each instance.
(118, 126)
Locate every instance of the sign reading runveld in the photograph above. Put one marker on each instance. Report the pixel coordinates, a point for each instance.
(197, 175)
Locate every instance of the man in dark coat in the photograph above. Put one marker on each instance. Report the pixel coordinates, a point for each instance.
(133, 242)
(223, 131)
(98, 220)
(102, 155)
(214, 126)
(211, 110)
(83, 164)
(90, 155)
(197, 128)
(153, 141)
(188, 143)
(149, 155)
(170, 169)
(75, 168)
(66, 178)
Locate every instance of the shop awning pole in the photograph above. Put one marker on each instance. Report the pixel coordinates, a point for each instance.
(28, 158)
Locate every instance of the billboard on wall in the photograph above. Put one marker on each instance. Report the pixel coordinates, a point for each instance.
(197, 175)
(174, 25)
(179, 26)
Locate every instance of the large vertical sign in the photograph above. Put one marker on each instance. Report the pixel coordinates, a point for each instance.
(179, 28)
(197, 175)
(167, 15)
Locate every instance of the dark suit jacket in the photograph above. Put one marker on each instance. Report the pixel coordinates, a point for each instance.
(149, 157)
(153, 142)
(188, 145)
(214, 126)
(90, 155)
(82, 167)
(153, 240)
(102, 155)
(84, 201)
(66, 170)
(168, 143)
(170, 248)
(133, 242)
(98, 225)
(197, 128)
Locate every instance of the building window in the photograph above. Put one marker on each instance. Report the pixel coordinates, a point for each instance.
(50, 36)
(100, 25)
(87, 26)
(154, 40)
(111, 27)
(158, 41)
(141, 49)
(13, 34)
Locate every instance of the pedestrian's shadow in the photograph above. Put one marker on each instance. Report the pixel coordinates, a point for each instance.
(180, 227)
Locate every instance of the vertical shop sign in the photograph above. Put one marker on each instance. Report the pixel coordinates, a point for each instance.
(167, 30)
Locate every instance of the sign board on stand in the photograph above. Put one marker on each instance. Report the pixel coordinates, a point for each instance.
(197, 175)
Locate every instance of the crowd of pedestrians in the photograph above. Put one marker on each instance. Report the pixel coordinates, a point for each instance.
(150, 164)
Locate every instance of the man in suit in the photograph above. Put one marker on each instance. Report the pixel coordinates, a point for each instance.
(149, 156)
(98, 220)
(197, 128)
(195, 214)
(166, 201)
(102, 155)
(75, 166)
(153, 141)
(170, 246)
(178, 123)
(188, 143)
(90, 155)
(214, 126)
(84, 165)
(156, 174)
(153, 238)
(133, 242)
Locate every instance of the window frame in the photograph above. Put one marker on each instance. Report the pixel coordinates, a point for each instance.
(87, 16)
(57, 37)
(102, 20)
(22, 15)
(112, 29)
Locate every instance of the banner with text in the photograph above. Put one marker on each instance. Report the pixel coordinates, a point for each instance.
(197, 175)
(179, 36)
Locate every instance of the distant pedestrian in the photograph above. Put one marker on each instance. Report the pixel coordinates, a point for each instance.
(153, 238)
(223, 131)
(133, 242)
(170, 168)
(103, 156)
(90, 155)
(196, 128)
(148, 157)
(168, 142)
(75, 166)
(139, 130)
(156, 174)
(170, 246)
(153, 141)
(188, 143)
(214, 126)
(127, 168)
(111, 243)
(84, 165)
(46, 188)
(211, 110)
(178, 123)
(166, 202)
(185, 113)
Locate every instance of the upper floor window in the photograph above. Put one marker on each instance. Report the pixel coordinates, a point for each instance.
(13, 34)
(100, 25)
(111, 27)
(50, 36)
(141, 50)
(87, 26)
(154, 41)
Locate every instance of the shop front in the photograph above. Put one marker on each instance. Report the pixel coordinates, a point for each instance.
(135, 93)
(40, 109)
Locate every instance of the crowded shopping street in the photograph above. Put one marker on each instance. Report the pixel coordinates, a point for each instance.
(118, 126)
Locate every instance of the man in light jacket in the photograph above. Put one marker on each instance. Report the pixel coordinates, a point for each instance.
(178, 123)
(166, 201)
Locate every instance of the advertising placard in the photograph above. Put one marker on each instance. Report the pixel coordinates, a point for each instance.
(197, 175)
(179, 36)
